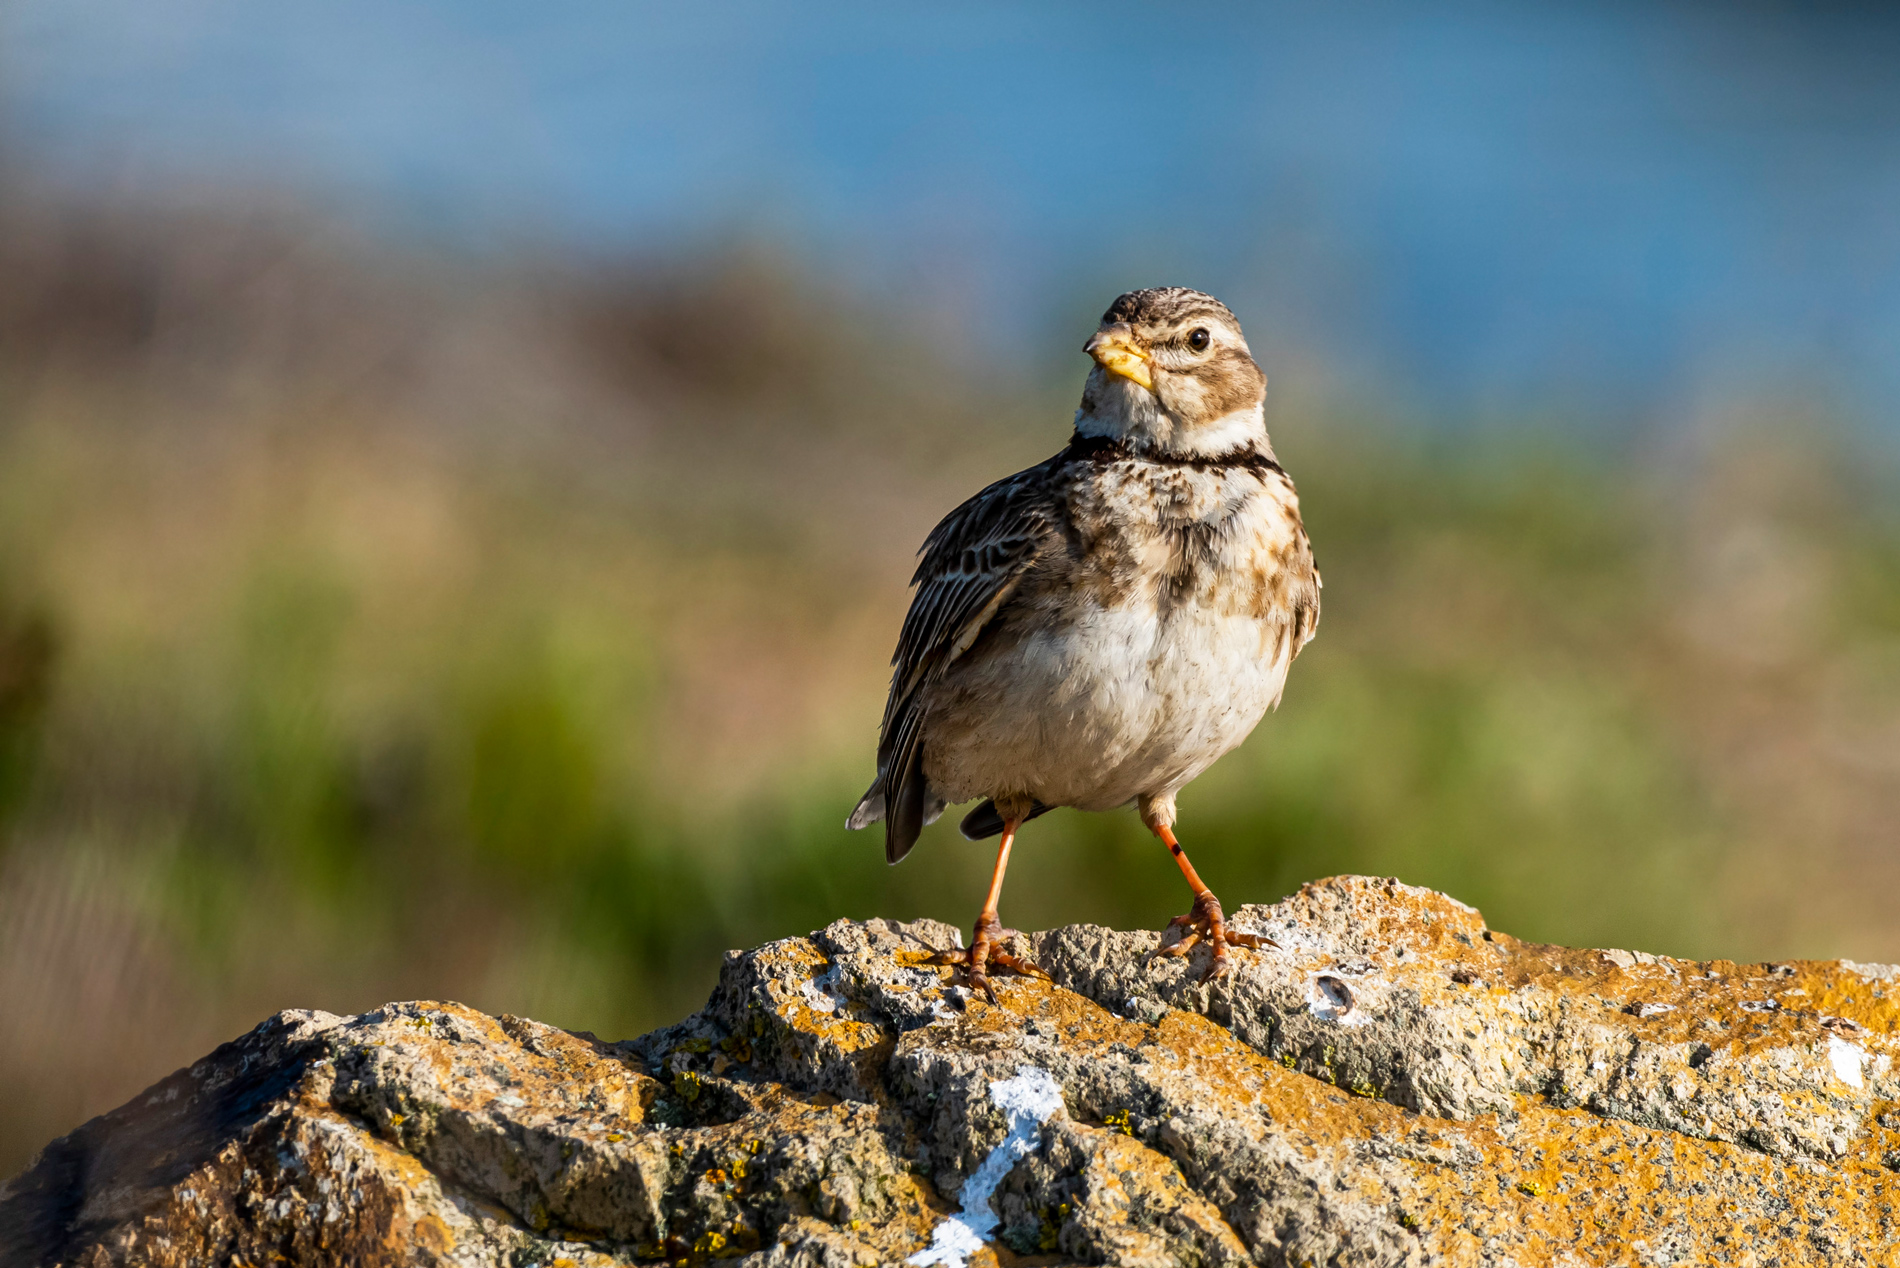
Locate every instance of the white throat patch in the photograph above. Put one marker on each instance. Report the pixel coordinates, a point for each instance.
(1242, 428)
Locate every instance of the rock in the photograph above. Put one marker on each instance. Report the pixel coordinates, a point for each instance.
(1395, 1084)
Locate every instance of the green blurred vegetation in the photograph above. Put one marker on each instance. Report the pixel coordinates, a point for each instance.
(378, 627)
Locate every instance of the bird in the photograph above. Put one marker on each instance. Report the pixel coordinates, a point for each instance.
(1099, 629)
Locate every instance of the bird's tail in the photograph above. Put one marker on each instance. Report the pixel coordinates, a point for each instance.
(869, 810)
(899, 836)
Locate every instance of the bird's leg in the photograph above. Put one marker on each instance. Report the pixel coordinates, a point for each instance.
(983, 951)
(1204, 922)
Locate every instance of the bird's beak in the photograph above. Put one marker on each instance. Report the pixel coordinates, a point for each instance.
(1113, 348)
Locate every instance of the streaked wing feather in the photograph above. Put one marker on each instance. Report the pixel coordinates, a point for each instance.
(970, 564)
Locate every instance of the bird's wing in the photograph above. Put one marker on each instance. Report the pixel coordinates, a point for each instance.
(971, 563)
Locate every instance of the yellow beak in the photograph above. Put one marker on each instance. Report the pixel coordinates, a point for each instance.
(1113, 348)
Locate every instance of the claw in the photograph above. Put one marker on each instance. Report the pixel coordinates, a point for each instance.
(1018, 965)
(984, 952)
(1205, 923)
(1187, 943)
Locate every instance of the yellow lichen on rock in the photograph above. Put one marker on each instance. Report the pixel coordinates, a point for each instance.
(1396, 1084)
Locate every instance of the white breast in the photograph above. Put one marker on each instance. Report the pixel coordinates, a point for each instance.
(1106, 707)
(1134, 670)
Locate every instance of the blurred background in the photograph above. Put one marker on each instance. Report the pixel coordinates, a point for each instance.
(460, 464)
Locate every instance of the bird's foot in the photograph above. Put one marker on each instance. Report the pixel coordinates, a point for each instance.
(1205, 924)
(984, 951)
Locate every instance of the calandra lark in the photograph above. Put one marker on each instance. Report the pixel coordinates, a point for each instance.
(1100, 628)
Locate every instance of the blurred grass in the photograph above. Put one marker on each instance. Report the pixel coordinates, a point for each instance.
(375, 627)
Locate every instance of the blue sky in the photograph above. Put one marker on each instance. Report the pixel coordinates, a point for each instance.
(1613, 209)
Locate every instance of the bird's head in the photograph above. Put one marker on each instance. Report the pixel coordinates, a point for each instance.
(1173, 371)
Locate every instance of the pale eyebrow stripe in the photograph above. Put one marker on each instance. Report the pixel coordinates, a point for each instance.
(1187, 325)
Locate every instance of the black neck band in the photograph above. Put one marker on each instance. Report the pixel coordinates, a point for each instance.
(1114, 449)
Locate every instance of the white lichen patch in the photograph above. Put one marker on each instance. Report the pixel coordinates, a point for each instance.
(1029, 1100)
(1846, 1059)
(822, 993)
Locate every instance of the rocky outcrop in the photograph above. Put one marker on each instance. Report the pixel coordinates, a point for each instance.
(1395, 1084)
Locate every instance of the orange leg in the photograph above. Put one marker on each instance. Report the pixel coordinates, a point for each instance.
(983, 951)
(1205, 920)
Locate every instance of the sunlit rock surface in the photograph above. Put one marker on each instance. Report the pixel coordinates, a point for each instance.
(1395, 1084)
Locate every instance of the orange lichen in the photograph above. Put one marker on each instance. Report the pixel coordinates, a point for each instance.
(1582, 1181)
(1168, 1122)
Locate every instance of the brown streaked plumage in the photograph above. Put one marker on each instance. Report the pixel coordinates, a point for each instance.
(1099, 629)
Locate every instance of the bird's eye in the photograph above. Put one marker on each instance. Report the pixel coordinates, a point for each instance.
(1199, 339)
